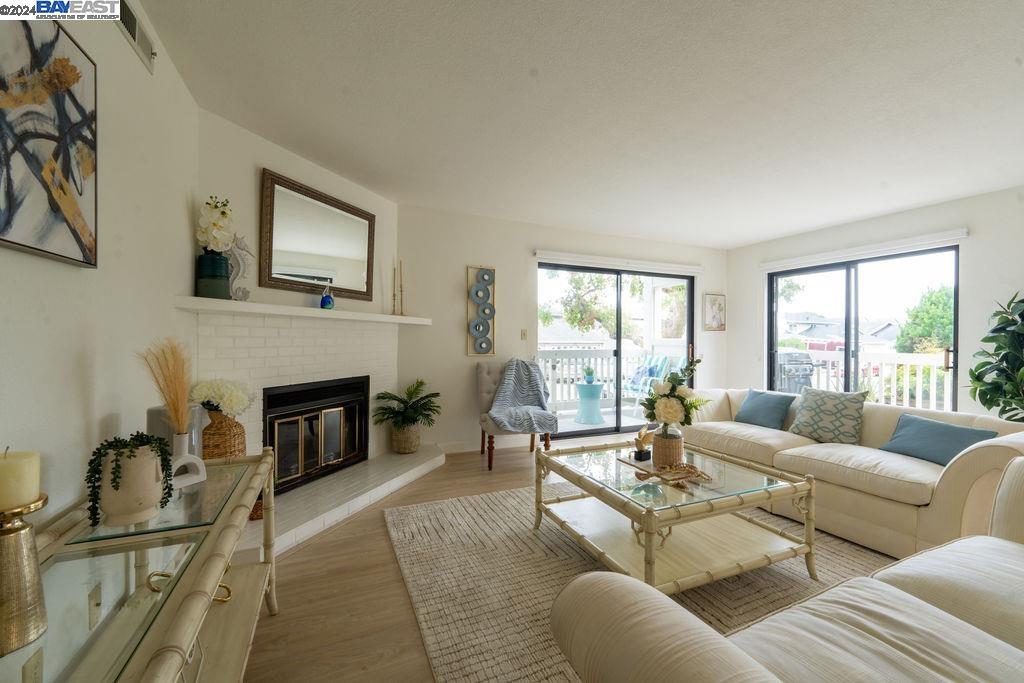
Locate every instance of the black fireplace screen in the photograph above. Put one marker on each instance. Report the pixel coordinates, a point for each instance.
(315, 428)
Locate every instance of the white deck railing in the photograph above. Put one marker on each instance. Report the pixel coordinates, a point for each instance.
(563, 368)
(903, 379)
(917, 380)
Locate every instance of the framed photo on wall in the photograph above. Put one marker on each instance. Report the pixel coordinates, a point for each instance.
(48, 167)
(714, 312)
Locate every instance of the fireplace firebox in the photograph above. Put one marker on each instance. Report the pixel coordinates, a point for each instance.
(315, 428)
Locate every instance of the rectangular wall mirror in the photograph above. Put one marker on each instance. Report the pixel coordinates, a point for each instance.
(310, 240)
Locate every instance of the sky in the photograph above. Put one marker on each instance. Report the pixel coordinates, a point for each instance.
(886, 288)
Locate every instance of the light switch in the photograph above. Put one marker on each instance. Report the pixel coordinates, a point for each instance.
(522, 334)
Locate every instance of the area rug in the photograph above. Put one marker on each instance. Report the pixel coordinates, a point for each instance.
(482, 582)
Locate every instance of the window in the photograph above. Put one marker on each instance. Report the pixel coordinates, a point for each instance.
(628, 328)
(885, 325)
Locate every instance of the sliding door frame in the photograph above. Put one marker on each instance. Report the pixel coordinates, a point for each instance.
(851, 334)
(618, 273)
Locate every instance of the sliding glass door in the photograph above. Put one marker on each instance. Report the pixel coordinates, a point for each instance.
(884, 325)
(629, 328)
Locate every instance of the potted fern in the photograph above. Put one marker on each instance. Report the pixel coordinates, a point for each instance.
(405, 413)
(997, 382)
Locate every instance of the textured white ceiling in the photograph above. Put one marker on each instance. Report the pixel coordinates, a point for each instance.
(717, 123)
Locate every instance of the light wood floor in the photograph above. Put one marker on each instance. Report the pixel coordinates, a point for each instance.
(344, 610)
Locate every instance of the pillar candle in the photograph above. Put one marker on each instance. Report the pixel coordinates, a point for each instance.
(19, 479)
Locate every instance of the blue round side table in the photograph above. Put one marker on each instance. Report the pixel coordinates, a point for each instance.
(589, 412)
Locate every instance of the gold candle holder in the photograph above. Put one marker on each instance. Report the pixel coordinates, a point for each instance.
(22, 610)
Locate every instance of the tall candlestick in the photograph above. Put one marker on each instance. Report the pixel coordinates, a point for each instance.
(401, 288)
(394, 290)
(19, 479)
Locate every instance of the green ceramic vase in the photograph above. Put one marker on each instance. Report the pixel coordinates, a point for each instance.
(212, 276)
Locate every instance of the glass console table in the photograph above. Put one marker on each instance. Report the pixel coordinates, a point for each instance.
(99, 605)
(116, 596)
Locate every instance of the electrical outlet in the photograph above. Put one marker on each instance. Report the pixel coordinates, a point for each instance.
(522, 334)
(95, 605)
(32, 671)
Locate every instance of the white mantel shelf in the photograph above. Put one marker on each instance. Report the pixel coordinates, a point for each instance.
(198, 304)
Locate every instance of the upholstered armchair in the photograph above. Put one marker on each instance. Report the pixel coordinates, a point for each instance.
(488, 377)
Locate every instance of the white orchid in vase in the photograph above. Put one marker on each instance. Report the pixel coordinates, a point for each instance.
(215, 232)
(672, 402)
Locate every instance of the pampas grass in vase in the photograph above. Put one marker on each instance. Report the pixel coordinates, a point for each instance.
(170, 367)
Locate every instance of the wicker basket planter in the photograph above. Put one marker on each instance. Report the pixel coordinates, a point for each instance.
(224, 437)
(667, 450)
(405, 439)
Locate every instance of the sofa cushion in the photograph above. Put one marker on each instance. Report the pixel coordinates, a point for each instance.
(829, 416)
(880, 473)
(867, 630)
(765, 409)
(978, 579)
(750, 442)
(932, 440)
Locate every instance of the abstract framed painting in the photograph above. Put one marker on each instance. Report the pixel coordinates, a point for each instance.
(48, 166)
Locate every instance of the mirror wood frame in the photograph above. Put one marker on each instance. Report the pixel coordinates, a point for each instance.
(271, 180)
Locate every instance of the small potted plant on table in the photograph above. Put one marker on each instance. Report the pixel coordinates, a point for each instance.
(406, 413)
(588, 374)
(128, 479)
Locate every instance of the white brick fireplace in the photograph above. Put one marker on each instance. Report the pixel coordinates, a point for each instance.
(269, 345)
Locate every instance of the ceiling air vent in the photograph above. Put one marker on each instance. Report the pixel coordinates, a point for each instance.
(137, 36)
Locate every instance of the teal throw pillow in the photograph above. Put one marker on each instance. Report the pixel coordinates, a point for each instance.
(932, 440)
(764, 409)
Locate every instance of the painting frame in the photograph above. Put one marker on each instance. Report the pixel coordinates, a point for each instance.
(86, 236)
(714, 312)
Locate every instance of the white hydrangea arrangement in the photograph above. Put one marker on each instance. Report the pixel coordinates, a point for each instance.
(230, 398)
(215, 231)
(671, 401)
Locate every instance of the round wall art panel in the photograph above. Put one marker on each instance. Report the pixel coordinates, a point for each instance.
(480, 293)
(479, 328)
(480, 311)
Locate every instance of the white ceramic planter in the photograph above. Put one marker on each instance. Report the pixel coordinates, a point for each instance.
(139, 494)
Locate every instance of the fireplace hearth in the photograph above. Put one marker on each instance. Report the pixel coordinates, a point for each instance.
(315, 428)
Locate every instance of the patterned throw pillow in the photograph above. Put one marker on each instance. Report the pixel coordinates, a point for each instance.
(829, 416)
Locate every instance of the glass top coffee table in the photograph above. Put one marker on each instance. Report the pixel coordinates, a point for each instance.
(674, 538)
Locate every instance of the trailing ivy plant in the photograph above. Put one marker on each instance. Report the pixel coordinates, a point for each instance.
(412, 408)
(119, 448)
(997, 382)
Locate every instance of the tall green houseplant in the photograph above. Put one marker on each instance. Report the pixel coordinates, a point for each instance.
(997, 382)
(405, 413)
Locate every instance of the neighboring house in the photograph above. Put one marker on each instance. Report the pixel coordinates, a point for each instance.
(829, 334)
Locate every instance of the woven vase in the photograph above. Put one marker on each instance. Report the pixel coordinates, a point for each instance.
(667, 451)
(405, 439)
(224, 437)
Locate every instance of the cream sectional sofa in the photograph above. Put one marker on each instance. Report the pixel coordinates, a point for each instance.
(893, 503)
(955, 612)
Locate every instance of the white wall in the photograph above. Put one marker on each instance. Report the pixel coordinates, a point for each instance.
(230, 162)
(989, 271)
(436, 247)
(68, 376)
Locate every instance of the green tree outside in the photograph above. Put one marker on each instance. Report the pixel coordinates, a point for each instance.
(929, 326)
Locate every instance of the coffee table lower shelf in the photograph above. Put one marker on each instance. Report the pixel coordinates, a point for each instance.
(695, 553)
